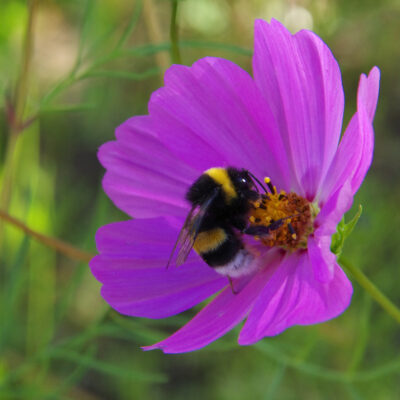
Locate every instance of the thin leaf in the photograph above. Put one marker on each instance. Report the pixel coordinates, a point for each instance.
(84, 33)
(353, 393)
(326, 373)
(138, 330)
(104, 367)
(360, 346)
(75, 376)
(216, 46)
(101, 330)
(58, 108)
(12, 291)
(151, 49)
(132, 23)
(57, 89)
(273, 387)
(121, 74)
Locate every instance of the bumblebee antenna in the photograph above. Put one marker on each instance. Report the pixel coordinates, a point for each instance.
(253, 177)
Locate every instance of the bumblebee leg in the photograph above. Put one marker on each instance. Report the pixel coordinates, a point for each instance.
(262, 230)
(257, 230)
(231, 285)
(292, 231)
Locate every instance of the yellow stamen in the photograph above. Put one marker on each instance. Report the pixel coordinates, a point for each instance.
(288, 216)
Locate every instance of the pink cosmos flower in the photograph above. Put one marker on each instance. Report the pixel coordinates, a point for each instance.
(285, 123)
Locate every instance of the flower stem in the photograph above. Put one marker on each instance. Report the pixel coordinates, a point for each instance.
(27, 50)
(16, 123)
(174, 36)
(373, 291)
(56, 244)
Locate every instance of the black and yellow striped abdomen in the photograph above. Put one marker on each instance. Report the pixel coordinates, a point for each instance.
(221, 197)
(209, 240)
(217, 246)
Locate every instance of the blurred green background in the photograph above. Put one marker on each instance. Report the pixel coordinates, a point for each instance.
(93, 65)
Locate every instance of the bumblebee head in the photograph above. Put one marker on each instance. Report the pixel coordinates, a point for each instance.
(243, 182)
(235, 183)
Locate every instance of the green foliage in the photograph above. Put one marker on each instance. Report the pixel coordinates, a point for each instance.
(343, 232)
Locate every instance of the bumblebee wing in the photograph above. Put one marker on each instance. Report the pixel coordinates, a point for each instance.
(190, 230)
(187, 241)
(184, 234)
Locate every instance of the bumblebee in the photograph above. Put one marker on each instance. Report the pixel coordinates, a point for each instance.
(221, 199)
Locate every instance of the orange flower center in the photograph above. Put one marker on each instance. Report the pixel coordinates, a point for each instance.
(288, 218)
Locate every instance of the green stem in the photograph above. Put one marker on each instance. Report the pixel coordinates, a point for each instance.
(373, 291)
(16, 123)
(22, 85)
(8, 169)
(18, 105)
(175, 53)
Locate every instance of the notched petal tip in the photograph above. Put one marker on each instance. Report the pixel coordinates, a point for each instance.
(368, 91)
(101, 238)
(258, 23)
(93, 266)
(262, 24)
(301, 81)
(103, 152)
(375, 74)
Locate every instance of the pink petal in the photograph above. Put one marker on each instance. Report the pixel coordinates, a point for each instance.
(132, 268)
(332, 212)
(301, 82)
(211, 114)
(367, 149)
(217, 318)
(354, 154)
(143, 178)
(322, 260)
(319, 244)
(293, 297)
